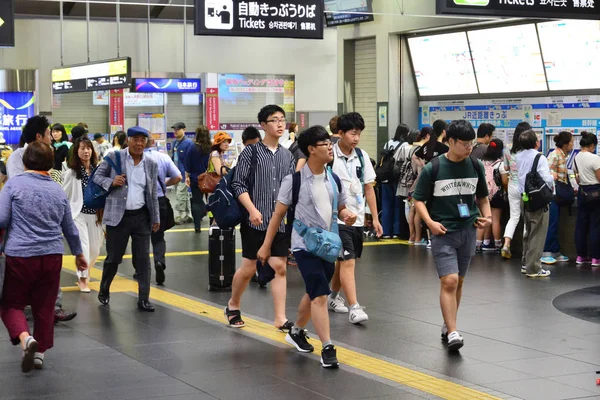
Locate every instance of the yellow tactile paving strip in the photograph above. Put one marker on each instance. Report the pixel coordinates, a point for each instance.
(384, 369)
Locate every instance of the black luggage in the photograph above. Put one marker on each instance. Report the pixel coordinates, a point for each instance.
(221, 258)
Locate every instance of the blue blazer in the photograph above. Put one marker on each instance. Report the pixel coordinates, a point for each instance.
(182, 149)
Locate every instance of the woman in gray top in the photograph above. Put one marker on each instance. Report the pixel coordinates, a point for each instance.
(35, 213)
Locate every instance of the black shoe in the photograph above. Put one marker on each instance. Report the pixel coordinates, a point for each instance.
(198, 230)
(160, 273)
(145, 305)
(298, 340)
(329, 357)
(63, 316)
(135, 276)
(104, 297)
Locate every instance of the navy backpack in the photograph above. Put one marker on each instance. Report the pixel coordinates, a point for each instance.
(94, 195)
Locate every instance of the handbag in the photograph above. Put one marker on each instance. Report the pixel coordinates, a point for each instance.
(565, 195)
(208, 181)
(324, 244)
(589, 195)
(167, 216)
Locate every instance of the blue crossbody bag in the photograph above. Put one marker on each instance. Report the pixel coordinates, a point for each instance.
(324, 244)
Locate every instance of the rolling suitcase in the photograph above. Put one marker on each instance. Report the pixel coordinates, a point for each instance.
(221, 258)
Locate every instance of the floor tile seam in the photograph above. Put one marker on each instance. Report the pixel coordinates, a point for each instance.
(158, 293)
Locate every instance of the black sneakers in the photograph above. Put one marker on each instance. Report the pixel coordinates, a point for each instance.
(329, 357)
(298, 340)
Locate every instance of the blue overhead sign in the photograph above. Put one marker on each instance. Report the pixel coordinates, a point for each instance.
(166, 85)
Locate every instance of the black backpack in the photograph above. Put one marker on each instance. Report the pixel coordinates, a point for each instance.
(538, 194)
(385, 168)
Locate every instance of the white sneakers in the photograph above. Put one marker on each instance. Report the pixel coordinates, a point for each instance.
(337, 305)
(455, 341)
(357, 315)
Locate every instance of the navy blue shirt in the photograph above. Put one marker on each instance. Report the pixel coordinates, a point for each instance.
(195, 163)
(180, 148)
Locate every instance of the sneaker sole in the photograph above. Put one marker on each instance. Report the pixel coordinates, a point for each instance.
(548, 262)
(338, 309)
(537, 276)
(27, 363)
(455, 346)
(357, 322)
(331, 366)
(291, 341)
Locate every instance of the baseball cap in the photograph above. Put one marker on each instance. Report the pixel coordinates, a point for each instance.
(178, 125)
(97, 136)
(137, 130)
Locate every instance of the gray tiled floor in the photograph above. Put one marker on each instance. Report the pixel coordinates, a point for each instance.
(517, 345)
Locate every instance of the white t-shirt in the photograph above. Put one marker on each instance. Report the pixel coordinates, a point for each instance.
(321, 198)
(346, 168)
(585, 165)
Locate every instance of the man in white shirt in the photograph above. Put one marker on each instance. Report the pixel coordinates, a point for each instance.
(354, 168)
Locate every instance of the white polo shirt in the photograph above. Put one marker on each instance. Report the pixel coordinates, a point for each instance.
(346, 168)
(136, 183)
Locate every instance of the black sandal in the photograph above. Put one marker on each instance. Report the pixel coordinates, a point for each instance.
(237, 318)
(286, 327)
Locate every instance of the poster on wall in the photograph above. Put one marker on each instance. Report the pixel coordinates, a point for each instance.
(15, 109)
(300, 19)
(116, 111)
(101, 98)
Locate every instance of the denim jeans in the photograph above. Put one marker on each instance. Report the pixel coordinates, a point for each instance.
(552, 245)
(587, 229)
(390, 210)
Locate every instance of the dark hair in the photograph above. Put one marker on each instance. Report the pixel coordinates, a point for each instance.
(38, 157)
(22, 140)
(350, 121)
(460, 130)
(121, 138)
(485, 129)
(267, 111)
(203, 139)
(311, 137)
(250, 133)
(35, 125)
(426, 130)
(588, 139)
(563, 139)
(402, 132)
(217, 147)
(495, 150)
(291, 128)
(333, 125)
(528, 139)
(438, 127)
(521, 127)
(75, 162)
(83, 125)
(412, 136)
(59, 127)
(77, 132)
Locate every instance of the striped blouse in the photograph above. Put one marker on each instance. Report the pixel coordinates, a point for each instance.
(271, 168)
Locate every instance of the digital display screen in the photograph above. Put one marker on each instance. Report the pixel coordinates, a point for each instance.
(102, 75)
(166, 85)
(571, 52)
(341, 12)
(507, 59)
(442, 64)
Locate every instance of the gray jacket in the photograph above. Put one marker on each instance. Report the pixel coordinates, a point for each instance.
(117, 198)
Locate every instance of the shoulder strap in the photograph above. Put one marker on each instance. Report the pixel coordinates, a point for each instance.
(535, 162)
(253, 162)
(475, 163)
(337, 180)
(117, 166)
(435, 167)
(293, 147)
(296, 181)
(162, 185)
(334, 214)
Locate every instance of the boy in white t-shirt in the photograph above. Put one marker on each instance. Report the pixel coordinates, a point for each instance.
(357, 176)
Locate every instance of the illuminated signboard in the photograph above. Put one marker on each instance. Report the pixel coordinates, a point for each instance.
(450, 72)
(572, 9)
(342, 12)
(102, 75)
(166, 85)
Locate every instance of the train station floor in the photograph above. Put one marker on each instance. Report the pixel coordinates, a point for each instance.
(517, 342)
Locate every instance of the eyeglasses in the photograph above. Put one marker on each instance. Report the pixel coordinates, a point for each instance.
(277, 121)
(328, 144)
(467, 145)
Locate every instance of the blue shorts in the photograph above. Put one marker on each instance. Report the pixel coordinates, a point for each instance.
(316, 273)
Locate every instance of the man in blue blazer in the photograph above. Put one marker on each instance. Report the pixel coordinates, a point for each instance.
(182, 200)
(131, 210)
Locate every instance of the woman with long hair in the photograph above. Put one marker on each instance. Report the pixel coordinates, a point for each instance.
(435, 145)
(493, 162)
(75, 180)
(61, 145)
(196, 163)
(514, 195)
(417, 164)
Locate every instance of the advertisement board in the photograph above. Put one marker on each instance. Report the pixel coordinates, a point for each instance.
(109, 74)
(101, 98)
(342, 12)
(166, 85)
(300, 19)
(15, 109)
